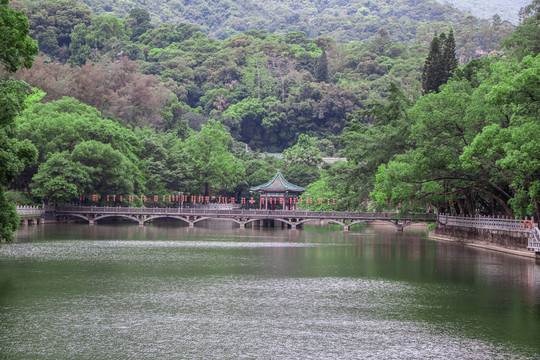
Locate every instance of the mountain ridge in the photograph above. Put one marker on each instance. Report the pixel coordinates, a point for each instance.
(355, 20)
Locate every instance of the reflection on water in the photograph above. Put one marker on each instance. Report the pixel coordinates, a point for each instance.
(167, 291)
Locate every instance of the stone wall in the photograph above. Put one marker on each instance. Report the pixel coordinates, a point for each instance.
(508, 239)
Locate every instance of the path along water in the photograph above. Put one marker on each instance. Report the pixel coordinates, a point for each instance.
(217, 292)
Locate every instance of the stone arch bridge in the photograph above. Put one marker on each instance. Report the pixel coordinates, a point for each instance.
(192, 216)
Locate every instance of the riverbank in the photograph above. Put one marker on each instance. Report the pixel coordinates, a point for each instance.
(513, 251)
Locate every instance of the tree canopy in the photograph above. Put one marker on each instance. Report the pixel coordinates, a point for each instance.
(17, 50)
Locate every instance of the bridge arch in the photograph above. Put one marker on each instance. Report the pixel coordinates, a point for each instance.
(183, 219)
(234, 220)
(114, 216)
(78, 216)
(303, 221)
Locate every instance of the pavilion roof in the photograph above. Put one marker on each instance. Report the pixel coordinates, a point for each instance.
(278, 184)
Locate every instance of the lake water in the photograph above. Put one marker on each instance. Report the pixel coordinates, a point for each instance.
(219, 292)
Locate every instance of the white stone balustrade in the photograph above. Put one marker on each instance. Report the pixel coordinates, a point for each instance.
(27, 210)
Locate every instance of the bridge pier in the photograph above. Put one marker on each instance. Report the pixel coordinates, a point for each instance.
(90, 222)
(191, 224)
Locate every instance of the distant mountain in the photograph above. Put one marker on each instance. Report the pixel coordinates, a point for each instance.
(485, 9)
(344, 20)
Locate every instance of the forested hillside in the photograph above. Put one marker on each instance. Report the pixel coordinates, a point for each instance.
(412, 21)
(266, 88)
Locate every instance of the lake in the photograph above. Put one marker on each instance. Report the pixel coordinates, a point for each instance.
(166, 291)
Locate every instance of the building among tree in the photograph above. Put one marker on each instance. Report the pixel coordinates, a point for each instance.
(278, 193)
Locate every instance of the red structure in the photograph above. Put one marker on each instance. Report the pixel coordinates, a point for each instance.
(278, 193)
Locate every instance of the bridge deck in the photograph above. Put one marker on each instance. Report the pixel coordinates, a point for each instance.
(244, 212)
(240, 216)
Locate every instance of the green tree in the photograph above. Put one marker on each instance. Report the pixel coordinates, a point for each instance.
(448, 54)
(506, 150)
(215, 168)
(104, 33)
(51, 23)
(320, 189)
(440, 62)
(373, 137)
(165, 163)
(139, 22)
(109, 171)
(60, 180)
(304, 152)
(16, 51)
(79, 123)
(474, 144)
(431, 75)
(301, 162)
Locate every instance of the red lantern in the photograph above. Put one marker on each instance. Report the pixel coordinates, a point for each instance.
(107, 197)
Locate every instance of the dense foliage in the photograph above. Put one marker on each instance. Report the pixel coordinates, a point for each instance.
(472, 147)
(345, 21)
(17, 50)
(266, 89)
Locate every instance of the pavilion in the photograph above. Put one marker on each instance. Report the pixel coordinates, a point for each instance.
(278, 191)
